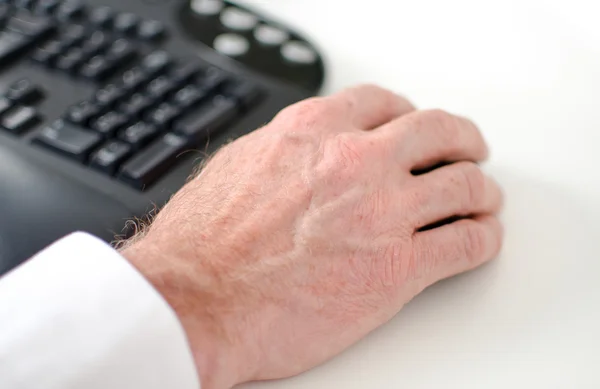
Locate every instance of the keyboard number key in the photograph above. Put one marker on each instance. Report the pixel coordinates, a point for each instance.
(108, 158)
(20, 119)
(139, 135)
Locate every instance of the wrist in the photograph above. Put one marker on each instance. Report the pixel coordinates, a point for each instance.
(210, 341)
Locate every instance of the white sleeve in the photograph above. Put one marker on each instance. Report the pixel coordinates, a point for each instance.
(78, 315)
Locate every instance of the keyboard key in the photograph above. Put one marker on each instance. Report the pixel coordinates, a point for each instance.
(108, 158)
(163, 115)
(19, 119)
(184, 73)
(30, 25)
(5, 11)
(48, 52)
(5, 104)
(126, 23)
(150, 164)
(156, 62)
(73, 34)
(151, 30)
(207, 120)
(120, 51)
(101, 16)
(24, 92)
(12, 45)
(24, 4)
(70, 60)
(70, 9)
(95, 43)
(46, 7)
(212, 79)
(160, 87)
(133, 78)
(82, 113)
(136, 105)
(109, 95)
(189, 96)
(109, 123)
(97, 68)
(245, 92)
(68, 139)
(139, 135)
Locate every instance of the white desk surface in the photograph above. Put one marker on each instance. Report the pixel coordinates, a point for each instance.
(528, 72)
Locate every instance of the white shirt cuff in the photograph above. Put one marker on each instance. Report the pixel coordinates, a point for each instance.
(78, 315)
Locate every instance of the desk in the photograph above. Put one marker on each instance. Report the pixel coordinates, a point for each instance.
(528, 72)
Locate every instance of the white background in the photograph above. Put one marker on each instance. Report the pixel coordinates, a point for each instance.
(528, 72)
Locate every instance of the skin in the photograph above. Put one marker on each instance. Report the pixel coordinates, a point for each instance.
(297, 240)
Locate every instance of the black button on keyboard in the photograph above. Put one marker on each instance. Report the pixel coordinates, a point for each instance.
(5, 12)
(120, 51)
(151, 163)
(189, 96)
(184, 73)
(69, 9)
(47, 53)
(151, 30)
(24, 91)
(73, 34)
(95, 43)
(101, 16)
(5, 104)
(160, 87)
(245, 92)
(68, 139)
(11, 45)
(212, 79)
(109, 95)
(135, 106)
(70, 60)
(155, 63)
(108, 158)
(24, 4)
(133, 78)
(82, 113)
(19, 119)
(208, 119)
(46, 7)
(109, 123)
(126, 23)
(163, 115)
(30, 25)
(97, 68)
(139, 135)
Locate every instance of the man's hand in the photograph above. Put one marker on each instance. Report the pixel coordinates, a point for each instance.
(297, 240)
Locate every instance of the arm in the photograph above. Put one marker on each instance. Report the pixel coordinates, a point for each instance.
(289, 246)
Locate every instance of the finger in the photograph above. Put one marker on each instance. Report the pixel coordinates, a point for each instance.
(430, 138)
(459, 189)
(456, 247)
(369, 106)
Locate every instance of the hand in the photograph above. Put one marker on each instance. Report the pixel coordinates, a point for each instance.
(300, 238)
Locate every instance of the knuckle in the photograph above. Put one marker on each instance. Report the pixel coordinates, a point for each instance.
(439, 116)
(305, 113)
(445, 125)
(348, 150)
(472, 182)
(343, 154)
(474, 241)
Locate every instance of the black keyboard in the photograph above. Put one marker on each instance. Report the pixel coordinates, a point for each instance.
(125, 97)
